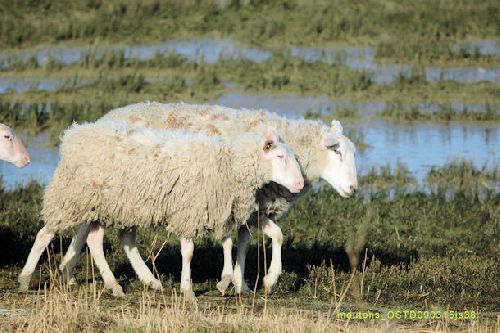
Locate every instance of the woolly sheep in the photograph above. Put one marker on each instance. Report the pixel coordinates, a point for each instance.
(322, 152)
(127, 177)
(11, 148)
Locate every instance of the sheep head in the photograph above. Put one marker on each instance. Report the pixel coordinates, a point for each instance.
(12, 149)
(285, 169)
(339, 167)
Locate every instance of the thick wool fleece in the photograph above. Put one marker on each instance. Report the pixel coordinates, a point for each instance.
(124, 176)
(303, 136)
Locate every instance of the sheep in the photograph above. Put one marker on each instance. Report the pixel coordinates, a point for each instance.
(114, 174)
(323, 153)
(11, 148)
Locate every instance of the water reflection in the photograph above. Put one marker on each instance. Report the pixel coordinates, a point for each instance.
(20, 85)
(43, 163)
(484, 47)
(419, 146)
(360, 58)
(206, 50)
(295, 106)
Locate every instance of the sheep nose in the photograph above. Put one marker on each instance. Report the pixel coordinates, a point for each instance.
(353, 188)
(300, 184)
(25, 160)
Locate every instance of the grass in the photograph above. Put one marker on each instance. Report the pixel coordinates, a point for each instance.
(282, 72)
(424, 50)
(88, 310)
(412, 248)
(37, 111)
(113, 80)
(383, 178)
(113, 77)
(56, 117)
(108, 60)
(399, 30)
(397, 245)
(463, 176)
(401, 112)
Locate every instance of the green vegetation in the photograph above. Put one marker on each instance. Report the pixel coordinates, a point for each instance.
(281, 73)
(463, 176)
(398, 111)
(416, 248)
(112, 80)
(118, 80)
(409, 30)
(398, 244)
(53, 116)
(422, 49)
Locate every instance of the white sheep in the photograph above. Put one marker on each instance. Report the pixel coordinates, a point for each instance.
(11, 148)
(190, 183)
(322, 152)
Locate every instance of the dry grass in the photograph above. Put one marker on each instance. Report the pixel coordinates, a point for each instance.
(56, 308)
(454, 240)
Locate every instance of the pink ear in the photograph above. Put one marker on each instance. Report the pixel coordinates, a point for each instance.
(272, 134)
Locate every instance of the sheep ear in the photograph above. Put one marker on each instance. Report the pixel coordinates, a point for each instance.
(272, 134)
(271, 139)
(330, 140)
(336, 127)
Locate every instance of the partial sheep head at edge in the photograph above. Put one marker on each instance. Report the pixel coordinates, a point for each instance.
(11, 148)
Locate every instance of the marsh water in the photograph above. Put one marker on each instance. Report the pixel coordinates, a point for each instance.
(44, 160)
(360, 58)
(419, 146)
(20, 85)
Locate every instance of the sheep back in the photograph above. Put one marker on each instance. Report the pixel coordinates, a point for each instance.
(303, 136)
(105, 175)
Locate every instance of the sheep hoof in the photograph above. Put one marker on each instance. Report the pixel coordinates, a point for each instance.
(245, 289)
(72, 281)
(24, 282)
(224, 284)
(156, 284)
(242, 288)
(117, 290)
(269, 281)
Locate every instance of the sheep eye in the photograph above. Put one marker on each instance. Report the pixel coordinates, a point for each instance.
(268, 146)
(335, 148)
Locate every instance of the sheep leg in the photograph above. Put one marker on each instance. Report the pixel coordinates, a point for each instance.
(239, 267)
(227, 271)
(274, 232)
(187, 250)
(70, 259)
(95, 240)
(42, 240)
(127, 238)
